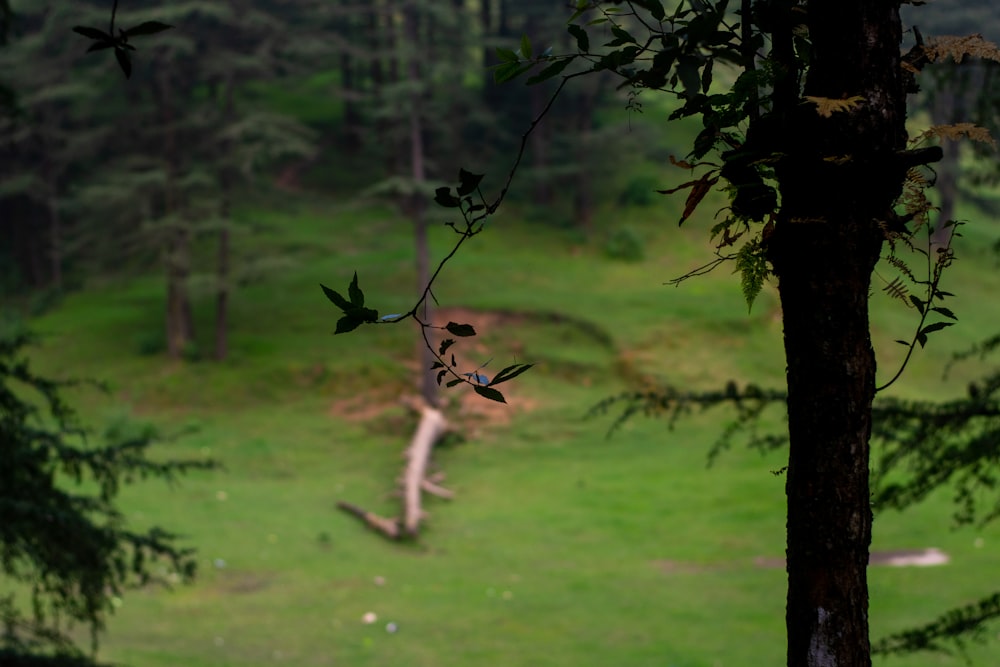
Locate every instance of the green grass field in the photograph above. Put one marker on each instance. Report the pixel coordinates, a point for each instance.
(563, 547)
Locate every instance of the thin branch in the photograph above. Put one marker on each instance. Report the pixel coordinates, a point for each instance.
(701, 270)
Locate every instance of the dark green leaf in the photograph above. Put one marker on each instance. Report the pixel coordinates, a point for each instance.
(490, 393)
(440, 376)
(706, 76)
(97, 46)
(335, 297)
(582, 41)
(468, 182)
(550, 71)
(444, 198)
(93, 33)
(509, 373)
(347, 323)
(526, 46)
(622, 36)
(353, 291)
(147, 28)
(436, 365)
(445, 344)
(506, 55)
(917, 302)
(655, 8)
(687, 70)
(461, 330)
(902, 342)
(936, 326)
(124, 61)
(752, 265)
(581, 7)
(509, 71)
(945, 311)
(454, 382)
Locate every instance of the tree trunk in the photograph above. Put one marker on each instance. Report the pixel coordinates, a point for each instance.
(823, 249)
(944, 111)
(177, 252)
(542, 195)
(417, 205)
(222, 254)
(349, 84)
(55, 226)
(583, 185)
(55, 243)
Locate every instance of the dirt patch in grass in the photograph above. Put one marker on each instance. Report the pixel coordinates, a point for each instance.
(463, 407)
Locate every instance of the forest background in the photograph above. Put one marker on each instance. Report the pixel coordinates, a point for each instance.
(262, 148)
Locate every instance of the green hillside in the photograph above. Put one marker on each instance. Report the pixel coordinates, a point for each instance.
(563, 546)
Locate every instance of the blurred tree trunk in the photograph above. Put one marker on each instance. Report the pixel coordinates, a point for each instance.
(417, 205)
(350, 24)
(540, 144)
(946, 108)
(222, 284)
(55, 227)
(177, 251)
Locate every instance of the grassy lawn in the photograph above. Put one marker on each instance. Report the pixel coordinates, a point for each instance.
(563, 546)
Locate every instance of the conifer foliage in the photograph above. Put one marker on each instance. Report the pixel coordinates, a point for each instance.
(63, 542)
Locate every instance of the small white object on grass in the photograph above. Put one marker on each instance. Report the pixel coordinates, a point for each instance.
(391, 628)
(220, 563)
(369, 618)
(379, 581)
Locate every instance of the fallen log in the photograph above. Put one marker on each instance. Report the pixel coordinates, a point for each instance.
(414, 480)
(435, 490)
(388, 527)
(432, 426)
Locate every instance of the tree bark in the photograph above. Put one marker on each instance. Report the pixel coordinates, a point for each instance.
(222, 269)
(417, 206)
(177, 251)
(823, 249)
(944, 111)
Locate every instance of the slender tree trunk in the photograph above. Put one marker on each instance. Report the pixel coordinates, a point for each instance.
(222, 251)
(583, 200)
(823, 249)
(540, 150)
(944, 112)
(55, 226)
(373, 12)
(177, 253)
(417, 205)
(55, 243)
(349, 25)
(222, 293)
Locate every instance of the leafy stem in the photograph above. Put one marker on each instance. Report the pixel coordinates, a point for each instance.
(935, 270)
